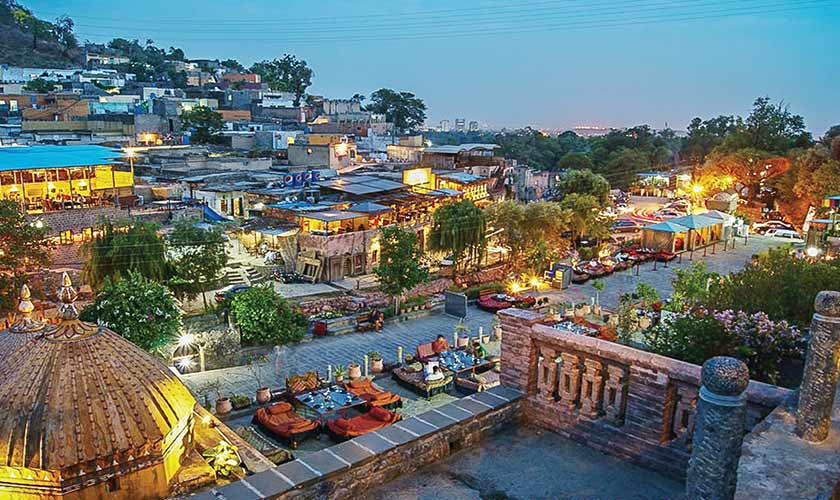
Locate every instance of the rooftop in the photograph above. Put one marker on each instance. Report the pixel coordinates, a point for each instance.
(361, 184)
(460, 148)
(462, 177)
(29, 157)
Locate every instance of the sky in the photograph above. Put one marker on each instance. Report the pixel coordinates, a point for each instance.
(545, 63)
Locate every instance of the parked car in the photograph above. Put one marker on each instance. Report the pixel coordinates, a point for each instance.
(626, 226)
(226, 294)
(668, 213)
(786, 234)
(763, 227)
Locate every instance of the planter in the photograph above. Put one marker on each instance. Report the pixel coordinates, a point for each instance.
(354, 371)
(596, 309)
(376, 365)
(463, 342)
(223, 406)
(263, 395)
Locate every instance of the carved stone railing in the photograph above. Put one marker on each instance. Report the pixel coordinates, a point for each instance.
(619, 400)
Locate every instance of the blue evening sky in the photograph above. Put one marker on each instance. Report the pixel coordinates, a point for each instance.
(552, 64)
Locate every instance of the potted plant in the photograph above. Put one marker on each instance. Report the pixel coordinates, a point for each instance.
(240, 401)
(599, 287)
(339, 371)
(354, 371)
(256, 364)
(224, 459)
(223, 406)
(375, 362)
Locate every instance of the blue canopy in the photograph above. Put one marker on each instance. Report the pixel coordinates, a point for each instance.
(667, 227)
(694, 221)
(32, 157)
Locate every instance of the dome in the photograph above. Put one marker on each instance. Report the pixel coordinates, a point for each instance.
(23, 330)
(80, 405)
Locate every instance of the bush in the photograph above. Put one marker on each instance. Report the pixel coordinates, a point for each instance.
(690, 338)
(266, 318)
(473, 292)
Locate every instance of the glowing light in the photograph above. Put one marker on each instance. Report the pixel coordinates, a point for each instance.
(130, 152)
(516, 287)
(729, 180)
(535, 282)
(697, 189)
(812, 251)
(185, 363)
(13, 189)
(186, 339)
(82, 183)
(206, 419)
(39, 224)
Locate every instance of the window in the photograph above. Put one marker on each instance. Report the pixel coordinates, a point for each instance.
(66, 237)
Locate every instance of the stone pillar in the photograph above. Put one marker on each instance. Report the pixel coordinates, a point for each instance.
(819, 382)
(547, 375)
(590, 396)
(721, 411)
(615, 393)
(569, 380)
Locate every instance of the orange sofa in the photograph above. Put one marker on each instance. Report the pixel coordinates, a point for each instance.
(281, 421)
(367, 390)
(346, 428)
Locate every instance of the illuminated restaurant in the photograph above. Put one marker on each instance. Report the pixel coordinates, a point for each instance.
(44, 179)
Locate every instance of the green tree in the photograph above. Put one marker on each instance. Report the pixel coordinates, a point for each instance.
(691, 284)
(114, 253)
(744, 166)
(206, 123)
(288, 74)
(769, 127)
(584, 182)
(545, 220)
(401, 263)
(198, 257)
(233, 65)
(459, 228)
(138, 309)
(23, 248)
(599, 286)
(705, 135)
(508, 218)
(403, 109)
(574, 160)
(40, 85)
(539, 257)
(266, 318)
(585, 216)
(622, 166)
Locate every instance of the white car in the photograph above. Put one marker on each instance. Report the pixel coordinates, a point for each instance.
(785, 234)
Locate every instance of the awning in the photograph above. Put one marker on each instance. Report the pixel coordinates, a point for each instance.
(667, 227)
(695, 221)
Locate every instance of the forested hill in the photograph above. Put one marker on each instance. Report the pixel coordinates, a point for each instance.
(26, 40)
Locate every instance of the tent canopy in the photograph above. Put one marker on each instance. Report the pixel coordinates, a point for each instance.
(695, 221)
(667, 227)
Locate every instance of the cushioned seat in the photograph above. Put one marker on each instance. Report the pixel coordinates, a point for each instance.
(425, 352)
(309, 381)
(414, 380)
(346, 428)
(367, 390)
(281, 421)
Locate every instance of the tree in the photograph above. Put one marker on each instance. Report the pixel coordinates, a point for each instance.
(575, 161)
(584, 182)
(745, 168)
(539, 257)
(141, 310)
(691, 284)
(622, 166)
(508, 218)
(233, 65)
(769, 127)
(545, 220)
(401, 263)
(63, 32)
(403, 109)
(23, 248)
(206, 123)
(585, 216)
(112, 255)
(288, 74)
(705, 135)
(459, 228)
(198, 257)
(599, 286)
(266, 318)
(39, 85)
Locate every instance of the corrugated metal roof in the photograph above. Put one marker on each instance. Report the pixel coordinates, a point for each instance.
(462, 177)
(455, 149)
(332, 215)
(30, 157)
(361, 184)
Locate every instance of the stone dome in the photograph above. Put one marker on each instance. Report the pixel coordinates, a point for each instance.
(79, 405)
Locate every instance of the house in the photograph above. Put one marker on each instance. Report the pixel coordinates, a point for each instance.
(94, 59)
(462, 155)
(241, 78)
(473, 187)
(324, 153)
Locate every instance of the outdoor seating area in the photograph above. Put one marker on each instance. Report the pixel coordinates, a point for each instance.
(621, 260)
(281, 421)
(494, 301)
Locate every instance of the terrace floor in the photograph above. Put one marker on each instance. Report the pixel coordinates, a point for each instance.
(525, 464)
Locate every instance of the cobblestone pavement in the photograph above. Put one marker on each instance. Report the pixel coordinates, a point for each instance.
(340, 349)
(528, 465)
(623, 282)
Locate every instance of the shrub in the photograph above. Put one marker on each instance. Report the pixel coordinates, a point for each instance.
(266, 318)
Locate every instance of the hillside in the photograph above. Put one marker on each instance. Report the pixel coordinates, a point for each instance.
(16, 42)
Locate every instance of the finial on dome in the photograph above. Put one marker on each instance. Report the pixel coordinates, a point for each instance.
(70, 327)
(25, 308)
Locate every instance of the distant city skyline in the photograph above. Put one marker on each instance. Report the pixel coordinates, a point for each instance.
(546, 64)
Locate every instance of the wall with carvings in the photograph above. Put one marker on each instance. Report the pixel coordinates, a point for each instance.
(619, 400)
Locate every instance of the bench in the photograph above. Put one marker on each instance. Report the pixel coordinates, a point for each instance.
(371, 320)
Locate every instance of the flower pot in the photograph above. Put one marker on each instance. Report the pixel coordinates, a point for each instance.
(223, 406)
(376, 365)
(263, 395)
(354, 371)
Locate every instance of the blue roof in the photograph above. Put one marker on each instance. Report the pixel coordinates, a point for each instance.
(29, 157)
(462, 177)
(667, 227)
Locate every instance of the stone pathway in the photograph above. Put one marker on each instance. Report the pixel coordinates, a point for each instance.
(623, 282)
(340, 349)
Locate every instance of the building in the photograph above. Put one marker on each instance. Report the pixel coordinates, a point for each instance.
(107, 421)
(328, 155)
(460, 124)
(444, 126)
(93, 59)
(473, 126)
(473, 187)
(407, 150)
(460, 156)
(241, 78)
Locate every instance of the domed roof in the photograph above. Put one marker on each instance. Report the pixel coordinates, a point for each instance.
(23, 330)
(79, 399)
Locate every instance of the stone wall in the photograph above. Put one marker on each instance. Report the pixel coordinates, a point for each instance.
(616, 399)
(349, 469)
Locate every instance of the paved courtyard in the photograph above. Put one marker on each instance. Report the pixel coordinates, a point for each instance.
(340, 349)
(524, 464)
(623, 282)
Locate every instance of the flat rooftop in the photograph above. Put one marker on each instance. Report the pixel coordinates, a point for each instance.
(37, 157)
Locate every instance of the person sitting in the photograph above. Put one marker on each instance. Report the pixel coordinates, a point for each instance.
(440, 344)
(478, 350)
(377, 319)
(437, 374)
